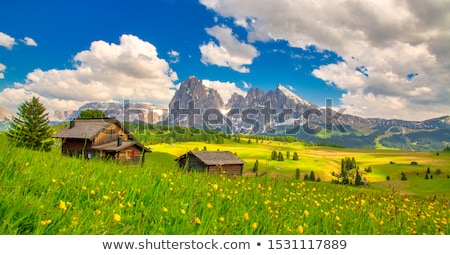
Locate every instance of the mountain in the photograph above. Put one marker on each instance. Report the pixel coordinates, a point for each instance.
(143, 112)
(282, 112)
(5, 118)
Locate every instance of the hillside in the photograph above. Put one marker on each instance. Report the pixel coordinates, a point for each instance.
(46, 193)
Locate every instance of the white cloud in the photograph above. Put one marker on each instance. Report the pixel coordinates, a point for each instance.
(291, 88)
(174, 56)
(230, 52)
(246, 85)
(2, 70)
(225, 89)
(107, 71)
(389, 38)
(29, 41)
(7, 41)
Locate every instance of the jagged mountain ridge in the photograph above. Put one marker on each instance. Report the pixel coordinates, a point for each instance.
(281, 98)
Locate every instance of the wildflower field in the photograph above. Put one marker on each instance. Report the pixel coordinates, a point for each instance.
(46, 193)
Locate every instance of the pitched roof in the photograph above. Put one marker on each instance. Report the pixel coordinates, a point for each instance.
(214, 158)
(87, 128)
(112, 146)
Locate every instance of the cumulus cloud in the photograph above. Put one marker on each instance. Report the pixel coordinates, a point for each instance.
(29, 41)
(230, 52)
(2, 69)
(128, 70)
(388, 40)
(7, 41)
(174, 56)
(225, 89)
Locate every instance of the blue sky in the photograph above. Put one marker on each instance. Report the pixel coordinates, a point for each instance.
(375, 58)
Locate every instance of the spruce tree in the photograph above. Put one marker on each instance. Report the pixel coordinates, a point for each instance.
(312, 176)
(30, 128)
(288, 155)
(280, 156)
(295, 157)
(358, 178)
(297, 174)
(255, 167)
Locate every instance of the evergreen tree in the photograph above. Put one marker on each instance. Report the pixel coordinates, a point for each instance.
(318, 179)
(30, 128)
(295, 157)
(274, 155)
(280, 156)
(249, 141)
(426, 176)
(428, 171)
(297, 174)
(312, 176)
(404, 178)
(288, 155)
(255, 167)
(306, 177)
(388, 178)
(358, 178)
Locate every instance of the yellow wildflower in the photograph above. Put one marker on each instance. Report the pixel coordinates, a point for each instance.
(165, 209)
(306, 213)
(45, 222)
(62, 205)
(106, 198)
(337, 218)
(300, 229)
(98, 211)
(92, 192)
(254, 225)
(245, 216)
(83, 188)
(209, 206)
(215, 186)
(121, 206)
(116, 217)
(197, 220)
(183, 211)
(221, 219)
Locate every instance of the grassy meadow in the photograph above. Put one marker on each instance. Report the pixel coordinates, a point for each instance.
(47, 193)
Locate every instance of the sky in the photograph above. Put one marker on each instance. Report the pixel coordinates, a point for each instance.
(384, 58)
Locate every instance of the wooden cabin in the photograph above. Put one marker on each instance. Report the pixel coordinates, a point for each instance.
(101, 137)
(212, 162)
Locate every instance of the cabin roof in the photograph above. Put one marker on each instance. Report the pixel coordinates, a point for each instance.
(214, 158)
(112, 146)
(88, 128)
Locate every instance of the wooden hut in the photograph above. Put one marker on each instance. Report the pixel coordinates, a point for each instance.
(101, 137)
(212, 162)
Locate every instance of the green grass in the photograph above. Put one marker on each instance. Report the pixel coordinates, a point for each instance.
(46, 193)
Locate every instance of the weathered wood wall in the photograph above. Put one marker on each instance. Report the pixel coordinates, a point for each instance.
(122, 155)
(234, 170)
(75, 147)
(110, 134)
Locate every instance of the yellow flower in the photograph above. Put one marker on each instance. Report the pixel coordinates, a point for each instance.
(116, 217)
(106, 198)
(45, 222)
(197, 220)
(215, 186)
(337, 218)
(164, 175)
(183, 211)
(300, 229)
(83, 188)
(62, 205)
(209, 206)
(381, 222)
(165, 209)
(306, 213)
(98, 211)
(92, 192)
(53, 181)
(245, 216)
(121, 206)
(221, 219)
(254, 225)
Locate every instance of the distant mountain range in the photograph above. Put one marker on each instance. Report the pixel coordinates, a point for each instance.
(281, 111)
(275, 112)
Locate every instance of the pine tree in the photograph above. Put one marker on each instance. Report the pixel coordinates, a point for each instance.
(428, 171)
(288, 155)
(30, 128)
(312, 176)
(295, 157)
(255, 167)
(280, 156)
(274, 155)
(404, 178)
(306, 177)
(358, 178)
(297, 174)
(426, 176)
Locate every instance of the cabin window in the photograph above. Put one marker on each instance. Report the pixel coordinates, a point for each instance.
(129, 154)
